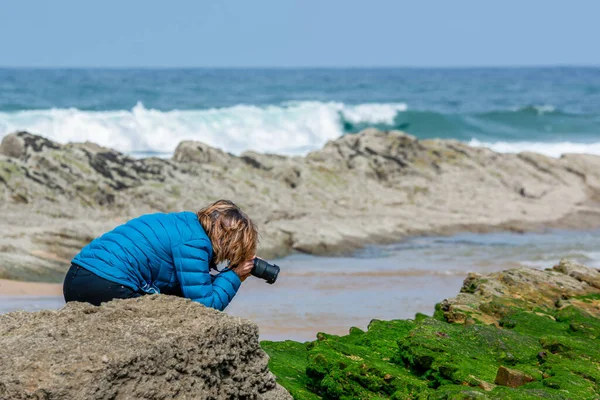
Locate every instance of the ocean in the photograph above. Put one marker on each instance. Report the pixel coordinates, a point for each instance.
(293, 111)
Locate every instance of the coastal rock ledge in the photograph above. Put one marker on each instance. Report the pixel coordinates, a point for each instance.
(519, 334)
(154, 347)
(370, 187)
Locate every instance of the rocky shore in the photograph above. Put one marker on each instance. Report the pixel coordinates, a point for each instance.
(518, 334)
(372, 187)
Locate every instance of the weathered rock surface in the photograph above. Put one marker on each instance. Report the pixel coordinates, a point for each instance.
(512, 378)
(485, 297)
(518, 334)
(370, 187)
(154, 347)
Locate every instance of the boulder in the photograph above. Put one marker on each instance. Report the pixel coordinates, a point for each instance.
(12, 146)
(23, 144)
(153, 347)
(511, 377)
(197, 152)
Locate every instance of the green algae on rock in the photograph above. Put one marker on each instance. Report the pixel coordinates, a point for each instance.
(517, 334)
(289, 358)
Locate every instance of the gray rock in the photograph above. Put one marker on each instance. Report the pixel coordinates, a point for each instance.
(23, 144)
(369, 187)
(279, 393)
(13, 146)
(154, 347)
(579, 272)
(196, 152)
(556, 287)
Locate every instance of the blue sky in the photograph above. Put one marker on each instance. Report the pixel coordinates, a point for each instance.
(291, 33)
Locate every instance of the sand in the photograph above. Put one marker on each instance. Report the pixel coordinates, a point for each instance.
(16, 288)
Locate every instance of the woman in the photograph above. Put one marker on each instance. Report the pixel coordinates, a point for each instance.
(170, 254)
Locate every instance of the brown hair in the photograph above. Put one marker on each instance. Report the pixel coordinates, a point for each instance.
(233, 235)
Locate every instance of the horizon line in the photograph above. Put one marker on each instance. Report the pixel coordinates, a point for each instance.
(316, 67)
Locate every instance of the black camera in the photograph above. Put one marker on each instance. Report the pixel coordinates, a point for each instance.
(264, 270)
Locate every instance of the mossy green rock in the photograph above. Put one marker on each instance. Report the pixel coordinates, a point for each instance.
(541, 326)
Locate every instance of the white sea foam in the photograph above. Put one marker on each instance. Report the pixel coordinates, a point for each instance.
(551, 149)
(372, 113)
(292, 128)
(289, 128)
(545, 109)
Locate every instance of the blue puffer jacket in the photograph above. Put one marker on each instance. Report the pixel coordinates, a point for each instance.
(161, 253)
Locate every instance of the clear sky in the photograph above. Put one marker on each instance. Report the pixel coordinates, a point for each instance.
(298, 33)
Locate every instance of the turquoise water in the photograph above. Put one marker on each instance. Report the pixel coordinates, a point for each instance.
(292, 111)
(332, 294)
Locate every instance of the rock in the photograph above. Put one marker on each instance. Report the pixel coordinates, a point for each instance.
(474, 381)
(375, 154)
(480, 294)
(13, 146)
(486, 386)
(579, 272)
(289, 175)
(153, 347)
(278, 393)
(24, 144)
(196, 152)
(511, 377)
(383, 176)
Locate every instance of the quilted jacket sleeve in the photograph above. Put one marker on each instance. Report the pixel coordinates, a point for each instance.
(191, 265)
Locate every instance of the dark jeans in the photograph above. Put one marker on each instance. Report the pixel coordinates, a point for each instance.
(85, 286)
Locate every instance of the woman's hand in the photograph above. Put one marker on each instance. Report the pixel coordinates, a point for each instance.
(243, 270)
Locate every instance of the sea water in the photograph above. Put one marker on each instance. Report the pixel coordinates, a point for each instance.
(332, 294)
(293, 111)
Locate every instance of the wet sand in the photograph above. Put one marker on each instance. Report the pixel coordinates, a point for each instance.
(18, 288)
(332, 294)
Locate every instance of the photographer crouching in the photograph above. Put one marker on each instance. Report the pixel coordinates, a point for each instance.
(171, 254)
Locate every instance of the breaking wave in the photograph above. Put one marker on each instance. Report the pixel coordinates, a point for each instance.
(299, 127)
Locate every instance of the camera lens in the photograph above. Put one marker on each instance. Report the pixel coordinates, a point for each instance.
(264, 270)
